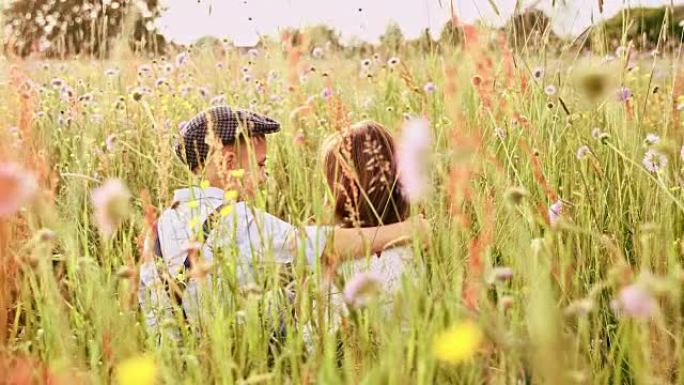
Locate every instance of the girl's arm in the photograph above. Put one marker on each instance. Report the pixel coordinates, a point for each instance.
(350, 243)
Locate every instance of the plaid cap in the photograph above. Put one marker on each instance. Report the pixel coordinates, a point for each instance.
(192, 147)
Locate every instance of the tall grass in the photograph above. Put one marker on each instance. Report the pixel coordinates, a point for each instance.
(71, 304)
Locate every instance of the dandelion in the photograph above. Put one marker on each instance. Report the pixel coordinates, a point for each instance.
(140, 370)
(550, 90)
(583, 152)
(538, 73)
(317, 52)
(111, 205)
(635, 301)
(17, 187)
(361, 289)
(654, 161)
(652, 139)
(393, 62)
(414, 146)
(459, 343)
(429, 87)
(624, 94)
(555, 211)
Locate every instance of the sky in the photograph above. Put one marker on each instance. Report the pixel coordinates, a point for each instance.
(243, 21)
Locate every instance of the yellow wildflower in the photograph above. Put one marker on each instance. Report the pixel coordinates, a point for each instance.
(138, 370)
(204, 184)
(237, 173)
(231, 195)
(226, 210)
(459, 343)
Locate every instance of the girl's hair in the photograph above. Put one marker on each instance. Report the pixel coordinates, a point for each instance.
(361, 169)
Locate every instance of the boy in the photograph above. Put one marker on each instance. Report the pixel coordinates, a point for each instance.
(227, 148)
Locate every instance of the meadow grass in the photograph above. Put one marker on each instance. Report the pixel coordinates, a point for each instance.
(505, 150)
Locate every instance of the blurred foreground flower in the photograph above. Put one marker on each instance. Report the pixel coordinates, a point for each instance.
(413, 151)
(17, 186)
(111, 204)
(139, 370)
(635, 301)
(555, 211)
(459, 343)
(361, 289)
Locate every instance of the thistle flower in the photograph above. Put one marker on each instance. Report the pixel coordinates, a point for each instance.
(538, 73)
(365, 63)
(429, 87)
(652, 139)
(57, 83)
(583, 152)
(624, 94)
(414, 146)
(253, 53)
(317, 52)
(326, 93)
(500, 133)
(459, 343)
(393, 61)
(17, 187)
(181, 58)
(145, 70)
(110, 205)
(550, 90)
(654, 161)
(361, 289)
(635, 301)
(500, 274)
(596, 133)
(555, 211)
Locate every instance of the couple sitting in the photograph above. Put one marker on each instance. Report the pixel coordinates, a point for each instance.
(214, 225)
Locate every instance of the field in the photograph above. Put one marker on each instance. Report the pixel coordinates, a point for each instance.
(556, 207)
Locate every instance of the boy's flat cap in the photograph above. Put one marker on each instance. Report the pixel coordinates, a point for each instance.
(226, 123)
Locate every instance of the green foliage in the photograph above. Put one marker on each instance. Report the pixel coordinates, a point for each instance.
(643, 27)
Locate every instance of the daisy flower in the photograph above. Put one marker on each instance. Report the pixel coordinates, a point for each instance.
(654, 161)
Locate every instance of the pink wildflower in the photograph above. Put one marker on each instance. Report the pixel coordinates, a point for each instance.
(17, 186)
(635, 301)
(555, 211)
(110, 203)
(414, 146)
(361, 289)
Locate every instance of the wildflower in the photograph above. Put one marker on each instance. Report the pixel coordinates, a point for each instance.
(429, 87)
(247, 78)
(500, 133)
(111, 204)
(86, 98)
(140, 370)
(393, 61)
(624, 94)
(361, 289)
(168, 68)
(580, 307)
(253, 53)
(110, 142)
(500, 274)
(144, 70)
(654, 161)
(160, 82)
(550, 90)
(538, 73)
(652, 139)
(476, 80)
(181, 58)
(203, 91)
(366, 63)
(635, 301)
(237, 174)
(414, 146)
(299, 139)
(583, 152)
(326, 93)
(317, 52)
(17, 186)
(111, 72)
(57, 83)
(459, 343)
(272, 76)
(555, 211)
(596, 133)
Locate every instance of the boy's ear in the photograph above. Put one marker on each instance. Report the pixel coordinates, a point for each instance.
(229, 157)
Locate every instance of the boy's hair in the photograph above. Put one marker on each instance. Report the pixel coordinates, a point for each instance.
(361, 169)
(221, 125)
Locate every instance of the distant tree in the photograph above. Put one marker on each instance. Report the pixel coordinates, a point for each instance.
(426, 43)
(322, 36)
(642, 26)
(451, 35)
(393, 38)
(528, 29)
(66, 27)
